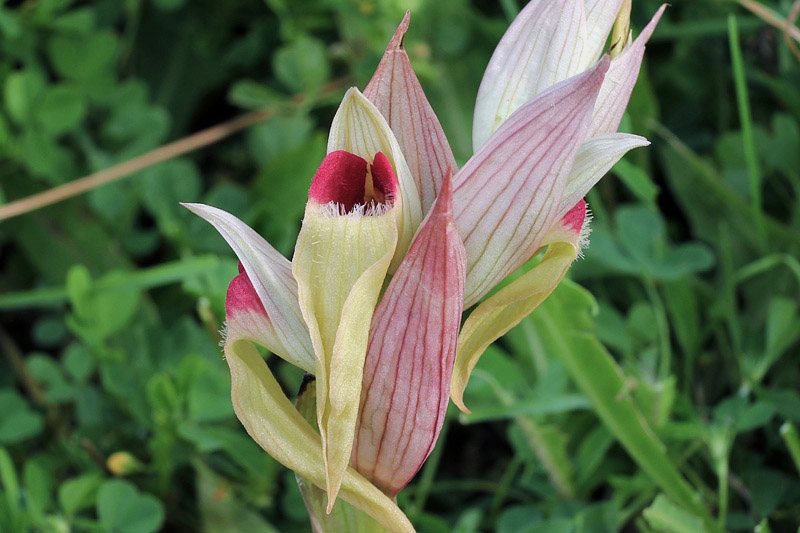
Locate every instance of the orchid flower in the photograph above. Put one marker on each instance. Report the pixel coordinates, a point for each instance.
(397, 242)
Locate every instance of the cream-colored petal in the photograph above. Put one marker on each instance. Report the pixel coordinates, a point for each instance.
(543, 46)
(271, 276)
(595, 158)
(340, 263)
(276, 425)
(600, 17)
(359, 128)
(505, 309)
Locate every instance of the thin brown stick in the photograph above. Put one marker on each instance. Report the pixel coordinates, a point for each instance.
(770, 17)
(794, 13)
(158, 155)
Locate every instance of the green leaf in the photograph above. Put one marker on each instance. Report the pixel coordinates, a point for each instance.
(83, 57)
(61, 108)
(48, 372)
(121, 508)
(637, 180)
(249, 94)
(21, 91)
(78, 493)
(599, 377)
(302, 65)
(665, 516)
(18, 421)
(38, 482)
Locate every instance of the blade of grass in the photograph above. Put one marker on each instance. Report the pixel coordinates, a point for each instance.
(750, 151)
(792, 441)
(599, 377)
(147, 278)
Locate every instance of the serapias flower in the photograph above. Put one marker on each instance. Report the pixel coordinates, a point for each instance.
(396, 242)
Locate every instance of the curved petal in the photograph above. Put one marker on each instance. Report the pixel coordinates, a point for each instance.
(600, 17)
(410, 357)
(595, 158)
(343, 516)
(276, 425)
(340, 262)
(284, 331)
(359, 128)
(619, 82)
(543, 46)
(396, 92)
(505, 309)
(509, 193)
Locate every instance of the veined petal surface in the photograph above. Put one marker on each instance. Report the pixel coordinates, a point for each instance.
(600, 17)
(340, 262)
(276, 425)
(410, 356)
(543, 46)
(509, 193)
(283, 331)
(500, 312)
(619, 82)
(396, 92)
(359, 128)
(594, 159)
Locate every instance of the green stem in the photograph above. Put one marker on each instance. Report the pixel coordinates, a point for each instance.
(665, 361)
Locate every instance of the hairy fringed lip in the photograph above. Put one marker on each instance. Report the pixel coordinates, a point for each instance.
(349, 181)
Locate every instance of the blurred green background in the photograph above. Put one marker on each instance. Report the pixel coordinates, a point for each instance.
(114, 399)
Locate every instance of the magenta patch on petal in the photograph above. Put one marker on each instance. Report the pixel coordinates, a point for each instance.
(383, 179)
(574, 218)
(340, 179)
(242, 295)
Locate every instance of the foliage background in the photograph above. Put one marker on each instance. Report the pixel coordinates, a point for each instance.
(114, 400)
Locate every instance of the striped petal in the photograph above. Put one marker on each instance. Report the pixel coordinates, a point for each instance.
(509, 193)
(505, 309)
(595, 158)
(343, 516)
(396, 92)
(276, 425)
(619, 82)
(543, 46)
(600, 17)
(410, 357)
(282, 329)
(340, 261)
(359, 128)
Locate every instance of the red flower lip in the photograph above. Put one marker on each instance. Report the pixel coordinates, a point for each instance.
(349, 180)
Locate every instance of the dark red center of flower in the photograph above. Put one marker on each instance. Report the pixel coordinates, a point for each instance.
(348, 180)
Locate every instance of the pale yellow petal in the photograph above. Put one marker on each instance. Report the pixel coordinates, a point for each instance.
(340, 263)
(505, 309)
(276, 425)
(359, 128)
